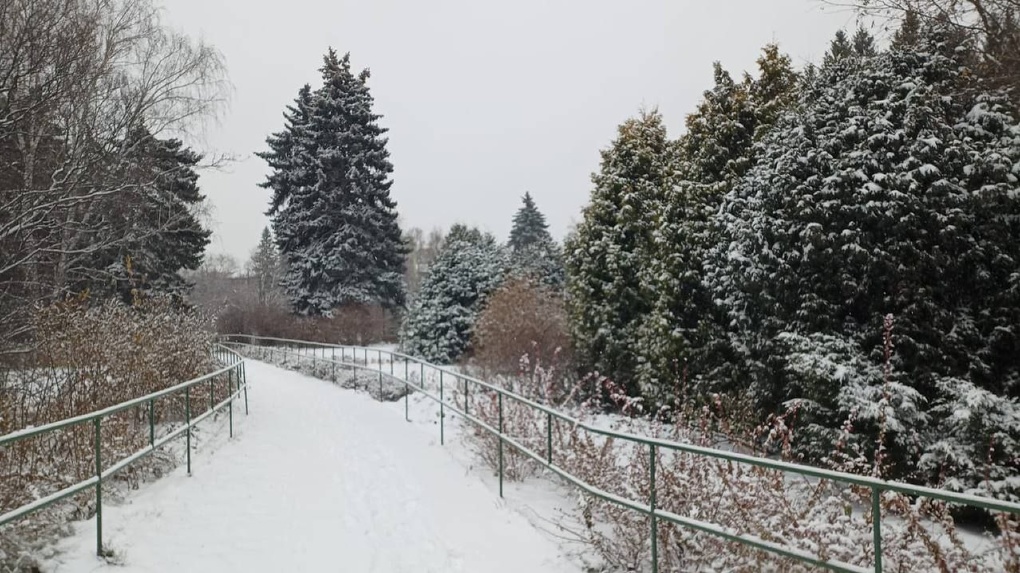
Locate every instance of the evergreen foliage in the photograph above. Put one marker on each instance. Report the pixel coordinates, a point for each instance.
(440, 321)
(265, 268)
(604, 256)
(533, 252)
(334, 219)
(680, 336)
(162, 234)
(881, 193)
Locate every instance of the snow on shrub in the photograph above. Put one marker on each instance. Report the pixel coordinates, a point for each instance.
(826, 519)
(88, 357)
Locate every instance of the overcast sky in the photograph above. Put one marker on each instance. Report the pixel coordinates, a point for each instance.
(484, 99)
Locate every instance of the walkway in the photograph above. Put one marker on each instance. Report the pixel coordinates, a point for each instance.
(318, 479)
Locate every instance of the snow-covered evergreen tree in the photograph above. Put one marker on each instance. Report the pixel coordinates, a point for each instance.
(265, 268)
(290, 154)
(440, 321)
(884, 191)
(163, 236)
(680, 336)
(605, 254)
(334, 219)
(533, 252)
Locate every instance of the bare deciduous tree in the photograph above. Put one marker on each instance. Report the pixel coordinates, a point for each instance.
(76, 78)
(993, 25)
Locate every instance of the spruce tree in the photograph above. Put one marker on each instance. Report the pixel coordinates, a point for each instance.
(265, 268)
(162, 234)
(333, 216)
(440, 320)
(605, 254)
(290, 153)
(533, 252)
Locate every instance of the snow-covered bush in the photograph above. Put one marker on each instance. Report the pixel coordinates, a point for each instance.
(888, 189)
(820, 517)
(87, 357)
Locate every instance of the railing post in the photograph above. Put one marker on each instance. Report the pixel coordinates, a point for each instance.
(230, 400)
(380, 384)
(407, 394)
(467, 396)
(244, 379)
(548, 437)
(152, 424)
(652, 500)
(442, 412)
(500, 399)
(99, 487)
(876, 526)
(391, 364)
(406, 370)
(421, 377)
(333, 361)
(187, 419)
(212, 394)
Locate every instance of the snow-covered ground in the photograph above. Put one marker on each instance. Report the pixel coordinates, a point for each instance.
(320, 479)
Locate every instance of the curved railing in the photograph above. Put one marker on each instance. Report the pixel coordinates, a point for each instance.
(329, 353)
(236, 386)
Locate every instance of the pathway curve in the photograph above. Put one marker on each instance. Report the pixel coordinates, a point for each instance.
(318, 479)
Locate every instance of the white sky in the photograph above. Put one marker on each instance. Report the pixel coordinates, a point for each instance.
(484, 99)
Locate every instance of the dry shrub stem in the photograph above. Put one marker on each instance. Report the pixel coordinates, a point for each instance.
(88, 358)
(830, 520)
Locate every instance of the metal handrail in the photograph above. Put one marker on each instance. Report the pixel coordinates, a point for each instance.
(877, 486)
(236, 386)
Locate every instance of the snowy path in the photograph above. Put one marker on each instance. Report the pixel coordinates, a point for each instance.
(319, 479)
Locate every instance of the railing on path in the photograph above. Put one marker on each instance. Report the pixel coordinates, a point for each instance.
(236, 388)
(348, 356)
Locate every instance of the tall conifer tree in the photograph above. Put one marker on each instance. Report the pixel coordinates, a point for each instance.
(334, 219)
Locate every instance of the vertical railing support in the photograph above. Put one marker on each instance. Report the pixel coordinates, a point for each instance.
(442, 412)
(99, 487)
(244, 380)
(212, 394)
(152, 424)
(876, 526)
(500, 399)
(380, 385)
(467, 396)
(333, 362)
(187, 420)
(652, 504)
(548, 437)
(230, 398)
(421, 377)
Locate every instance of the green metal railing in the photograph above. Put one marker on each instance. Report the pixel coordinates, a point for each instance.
(236, 388)
(338, 355)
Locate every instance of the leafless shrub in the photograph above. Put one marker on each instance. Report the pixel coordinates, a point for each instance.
(88, 358)
(521, 318)
(355, 324)
(830, 520)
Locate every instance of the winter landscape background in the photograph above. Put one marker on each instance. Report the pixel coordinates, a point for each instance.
(822, 265)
